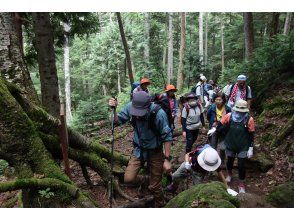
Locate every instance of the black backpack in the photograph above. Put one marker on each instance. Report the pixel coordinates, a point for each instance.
(134, 85)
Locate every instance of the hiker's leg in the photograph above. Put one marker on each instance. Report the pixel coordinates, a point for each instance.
(230, 164)
(196, 177)
(156, 171)
(180, 174)
(131, 174)
(213, 140)
(189, 141)
(195, 135)
(241, 168)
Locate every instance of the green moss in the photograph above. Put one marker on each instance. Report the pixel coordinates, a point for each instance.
(263, 161)
(282, 196)
(213, 195)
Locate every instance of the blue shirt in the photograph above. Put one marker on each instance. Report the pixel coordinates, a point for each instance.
(144, 137)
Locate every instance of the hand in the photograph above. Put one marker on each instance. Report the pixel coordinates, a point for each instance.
(188, 165)
(211, 131)
(167, 167)
(112, 102)
(250, 152)
(184, 134)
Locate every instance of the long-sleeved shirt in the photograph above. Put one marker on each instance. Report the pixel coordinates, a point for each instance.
(144, 136)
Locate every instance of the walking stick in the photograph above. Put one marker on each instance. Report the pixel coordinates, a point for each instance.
(113, 109)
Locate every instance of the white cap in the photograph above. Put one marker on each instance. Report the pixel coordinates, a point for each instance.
(203, 78)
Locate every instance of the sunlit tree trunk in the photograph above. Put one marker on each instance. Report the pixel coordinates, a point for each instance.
(249, 37)
(287, 25)
(147, 39)
(170, 49)
(206, 39)
(66, 28)
(180, 80)
(46, 60)
(222, 44)
(200, 19)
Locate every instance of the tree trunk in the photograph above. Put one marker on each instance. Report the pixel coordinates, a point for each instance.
(170, 49)
(287, 25)
(180, 80)
(126, 48)
(118, 80)
(12, 65)
(147, 39)
(18, 27)
(46, 60)
(206, 39)
(222, 44)
(249, 37)
(275, 24)
(66, 28)
(200, 19)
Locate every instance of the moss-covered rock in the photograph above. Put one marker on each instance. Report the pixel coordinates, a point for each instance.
(282, 196)
(208, 195)
(262, 162)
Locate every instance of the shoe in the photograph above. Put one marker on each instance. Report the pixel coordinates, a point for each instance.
(228, 178)
(241, 188)
(172, 188)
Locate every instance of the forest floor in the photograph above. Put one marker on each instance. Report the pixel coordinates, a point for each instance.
(257, 182)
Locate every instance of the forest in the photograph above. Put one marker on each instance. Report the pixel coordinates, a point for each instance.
(59, 146)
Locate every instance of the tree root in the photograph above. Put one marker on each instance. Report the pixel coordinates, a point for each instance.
(86, 175)
(54, 184)
(140, 203)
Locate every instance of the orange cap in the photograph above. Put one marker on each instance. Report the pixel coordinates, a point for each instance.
(170, 87)
(145, 80)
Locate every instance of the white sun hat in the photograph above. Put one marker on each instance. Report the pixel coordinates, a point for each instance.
(209, 159)
(241, 106)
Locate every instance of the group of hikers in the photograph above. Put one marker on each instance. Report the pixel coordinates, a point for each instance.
(230, 132)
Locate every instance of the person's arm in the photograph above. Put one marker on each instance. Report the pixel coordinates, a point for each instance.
(124, 115)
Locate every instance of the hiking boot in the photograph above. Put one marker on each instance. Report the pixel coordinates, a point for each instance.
(228, 178)
(172, 188)
(241, 188)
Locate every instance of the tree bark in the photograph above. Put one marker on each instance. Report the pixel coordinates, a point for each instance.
(170, 49)
(222, 44)
(249, 37)
(275, 24)
(147, 38)
(12, 65)
(180, 80)
(18, 28)
(66, 28)
(46, 60)
(287, 25)
(206, 39)
(200, 20)
(126, 48)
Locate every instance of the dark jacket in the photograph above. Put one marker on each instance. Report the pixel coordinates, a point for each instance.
(211, 114)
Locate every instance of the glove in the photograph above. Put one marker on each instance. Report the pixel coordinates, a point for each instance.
(211, 131)
(250, 152)
(188, 165)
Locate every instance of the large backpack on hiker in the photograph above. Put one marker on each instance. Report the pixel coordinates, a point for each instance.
(134, 85)
(162, 103)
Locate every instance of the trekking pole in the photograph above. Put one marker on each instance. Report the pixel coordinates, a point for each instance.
(113, 109)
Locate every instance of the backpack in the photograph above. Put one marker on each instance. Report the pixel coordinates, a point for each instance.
(134, 85)
(188, 110)
(247, 88)
(162, 103)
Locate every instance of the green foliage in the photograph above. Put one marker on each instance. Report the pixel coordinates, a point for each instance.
(282, 195)
(90, 111)
(46, 193)
(3, 166)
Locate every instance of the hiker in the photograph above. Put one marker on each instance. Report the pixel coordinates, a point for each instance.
(197, 164)
(152, 137)
(227, 87)
(144, 83)
(199, 89)
(238, 128)
(192, 119)
(170, 91)
(239, 91)
(208, 93)
(215, 113)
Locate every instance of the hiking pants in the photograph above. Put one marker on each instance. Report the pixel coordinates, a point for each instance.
(156, 170)
(182, 173)
(241, 166)
(191, 137)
